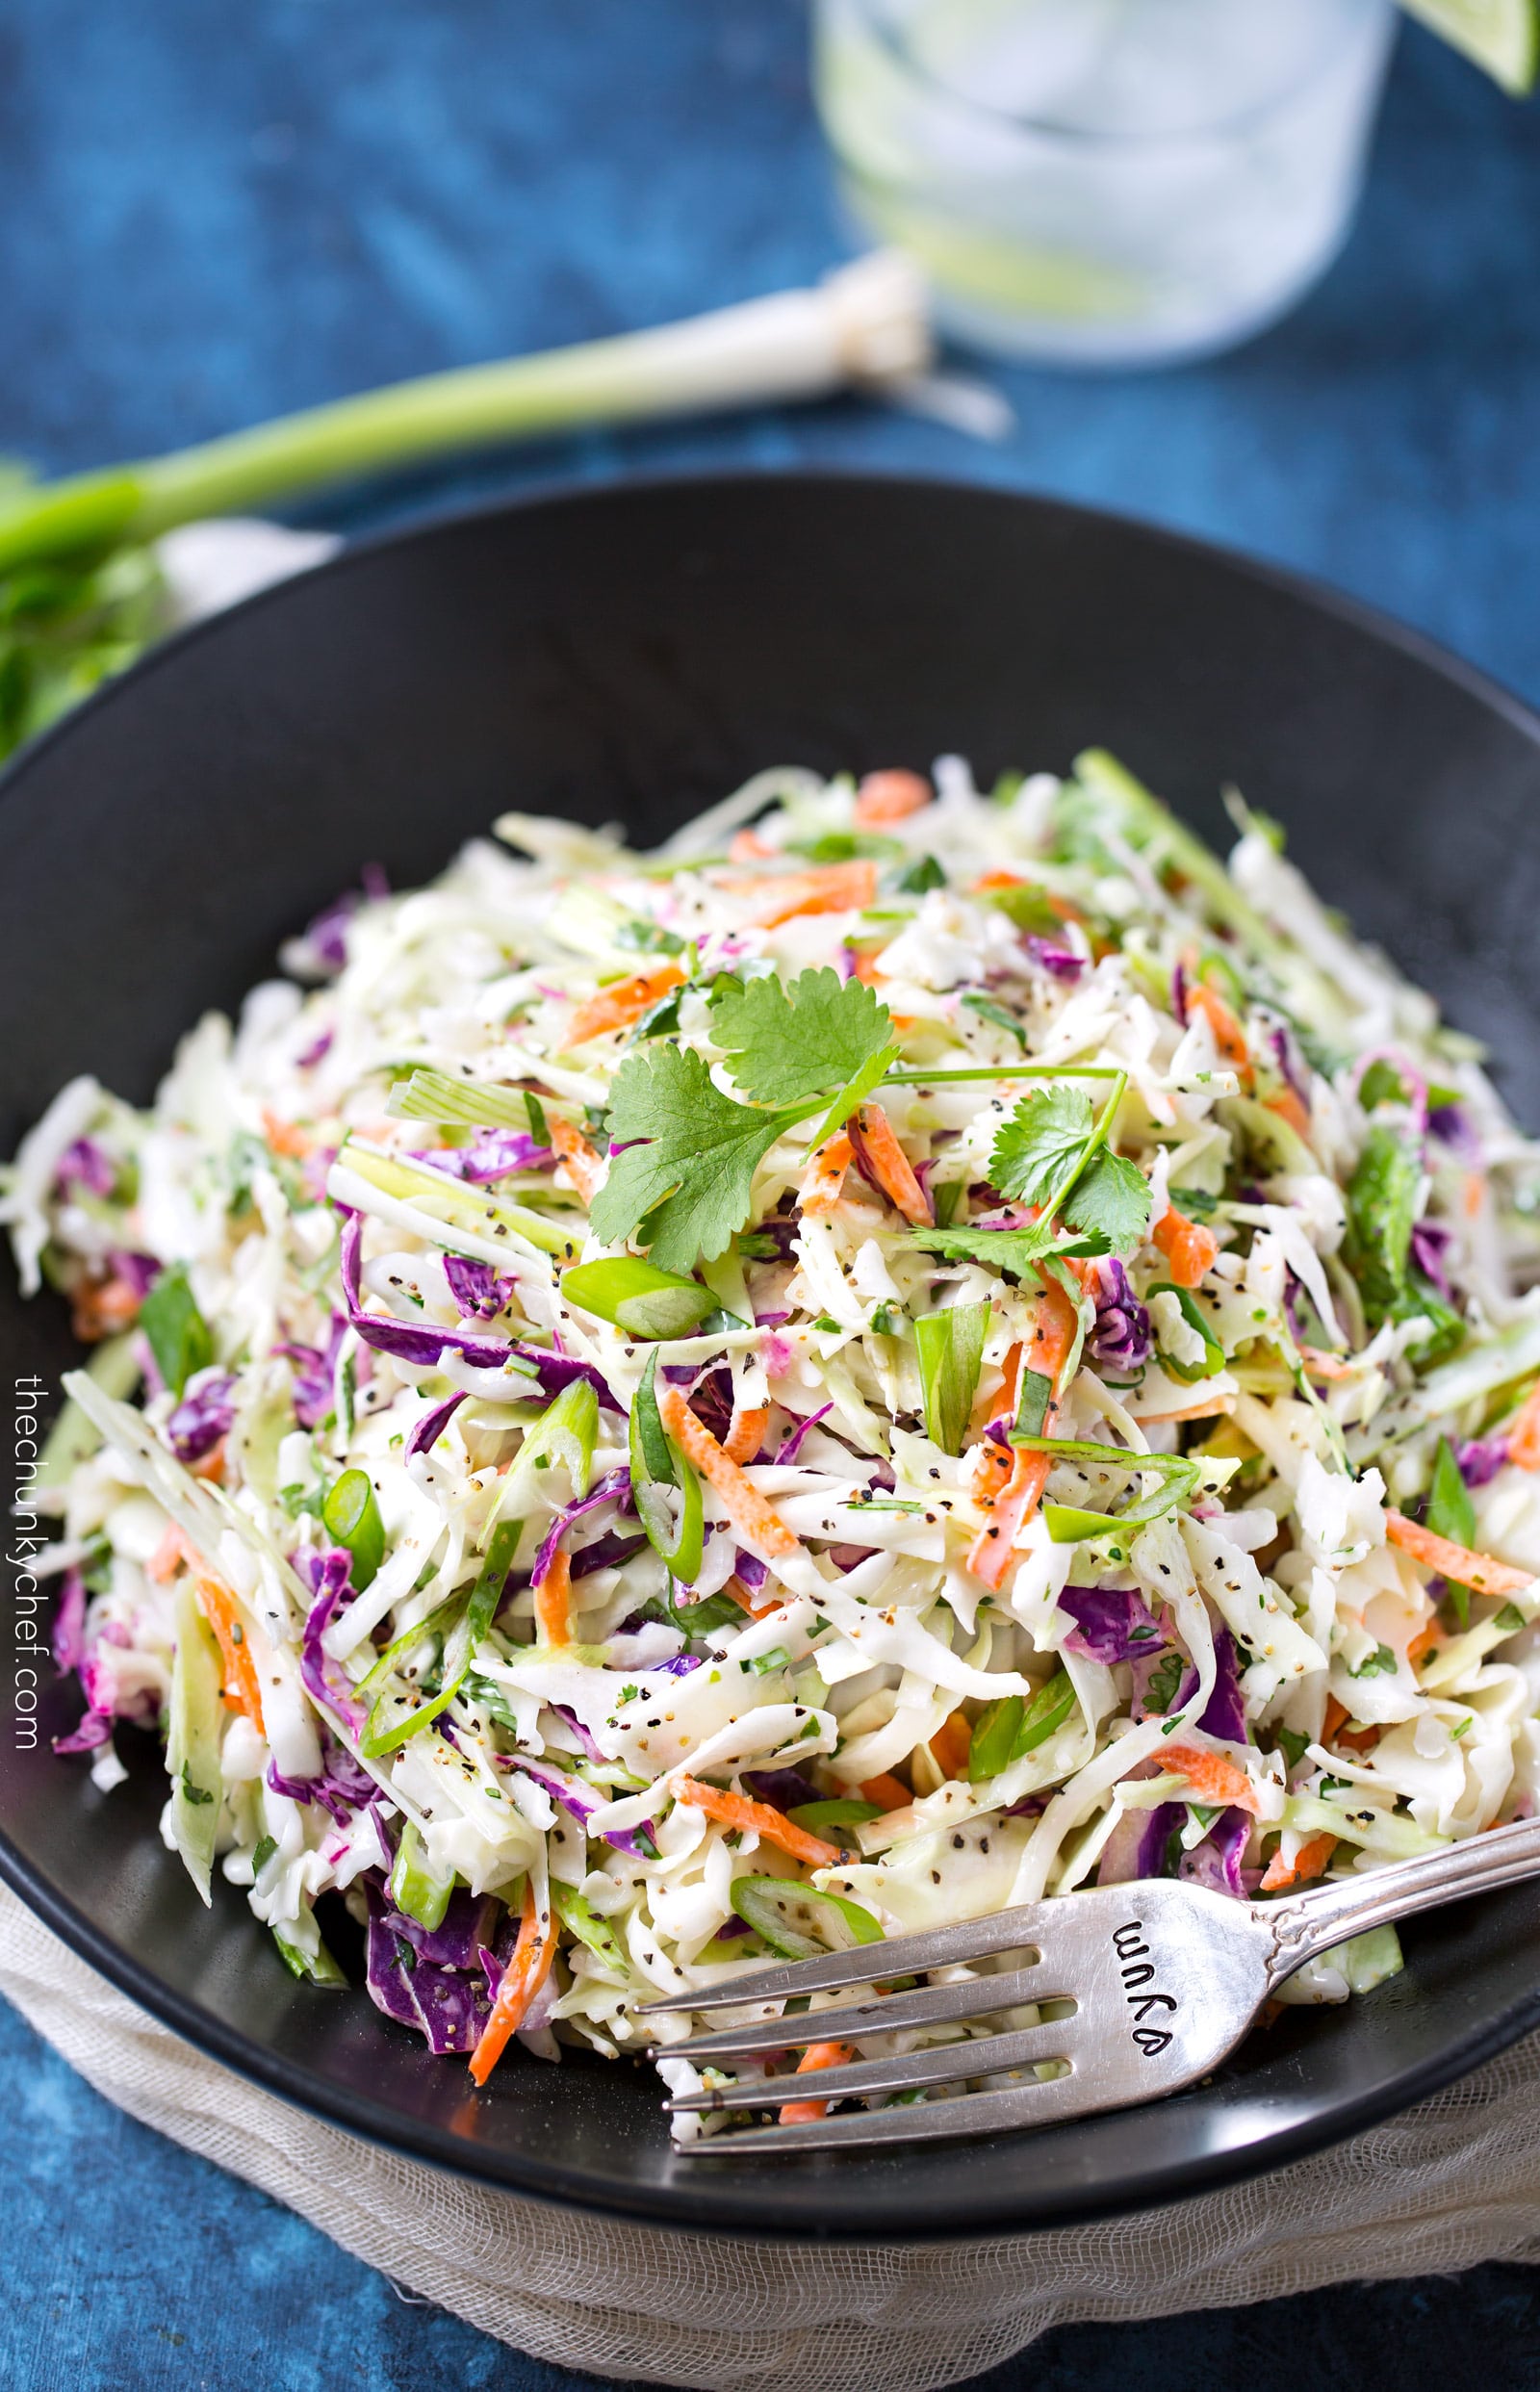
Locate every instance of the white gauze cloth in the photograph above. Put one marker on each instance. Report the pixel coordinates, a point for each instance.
(1453, 2181)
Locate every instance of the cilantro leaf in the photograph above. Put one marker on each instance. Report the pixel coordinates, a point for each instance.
(1111, 1198)
(687, 1188)
(1008, 1249)
(786, 1044)
(1051, 1153)
(1038, 1147)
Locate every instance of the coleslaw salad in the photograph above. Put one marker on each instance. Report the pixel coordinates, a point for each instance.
(914, 1350)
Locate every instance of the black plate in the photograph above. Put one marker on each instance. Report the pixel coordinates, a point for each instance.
(634, 654)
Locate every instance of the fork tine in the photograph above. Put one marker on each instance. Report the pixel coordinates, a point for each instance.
(930, 2006)
(943, 2063)
(1039, 2103)
(904, 1956)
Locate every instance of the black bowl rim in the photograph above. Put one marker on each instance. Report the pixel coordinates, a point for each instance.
(692, 2205)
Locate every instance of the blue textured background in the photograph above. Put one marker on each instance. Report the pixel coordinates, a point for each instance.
(210, 214)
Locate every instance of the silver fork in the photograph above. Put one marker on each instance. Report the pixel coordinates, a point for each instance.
(1166, 1978)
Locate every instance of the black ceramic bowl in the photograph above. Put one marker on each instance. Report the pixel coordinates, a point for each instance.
(634, 654)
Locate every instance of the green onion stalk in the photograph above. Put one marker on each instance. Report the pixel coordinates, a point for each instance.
(80, 591)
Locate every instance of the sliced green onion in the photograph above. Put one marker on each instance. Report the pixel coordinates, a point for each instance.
(650, 1448)
(414, 1889)
(192, 1738)
(463, 1623)
(796, 1921)
(1451, 1514)
(1032, 1411)
(638, 1298)
(352, 1517)
(656, 1466)
(989, 1011)
(1193, 1314)
(840, 1810)
(1026, 905)
(581, 1920)
(567, 1432)
(458, 1205)
(467, 1104)
(114, 1367)
(949, 1347)
(179, 1336)
(313, 1965)
(1013, 1726)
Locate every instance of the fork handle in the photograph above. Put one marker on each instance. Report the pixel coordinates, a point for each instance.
(1305, 1925)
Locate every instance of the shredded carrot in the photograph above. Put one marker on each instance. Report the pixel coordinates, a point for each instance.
(554, 1601)
(816, 2056)
(1336, 1730)
(737, 1810)
(102, 1308)
(825, 888)
(755, 1606)
(1015, 1503)
(616, 1007)
(211, 1465)
(1228, 1035)
(824, 1180)
(1212, 1407)
(168, 1556)
(1190, 1251)
(1324, 1365)
(949, 1745)
(746, 1435)
(1455, 1561)
(1290, 1106)
(757, 1527)
(1061, 905)
(748, 847)
(1425, 1641)
(895, 1174)
(583, 1166)
(891, 1794)
(1475, 1193)
(889, 796)
(1310, 1860)
(1336, 1714)
(865, 967)
(1524, 1437)
(1002, 1404)
(524, 1974)
(1212, 1777)
(240, 1690)
(285, 1136)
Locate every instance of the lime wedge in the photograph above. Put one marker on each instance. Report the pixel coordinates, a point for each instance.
(1503, 35)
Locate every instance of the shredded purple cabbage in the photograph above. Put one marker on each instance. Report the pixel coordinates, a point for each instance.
(85, 1165)
(582, 1800)
(792, 1447)
(329, 1574)
(477, 1287)
(204, 1415)
(69, 1622)
(96, 1727)
(1137, 1845)
(491, 1155)
(469, 1921)
(1061, 961)
(1121, 1338)
(140, 1271)
(1431, 1245)
(609, 1551)
(1215, 1861)
(432, 1424)
(1224, 1712)
(1480, 1459)
(1111, 1624)
(784, 1789)
(609, 1490)
(749, 1570)
(315, 1375)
